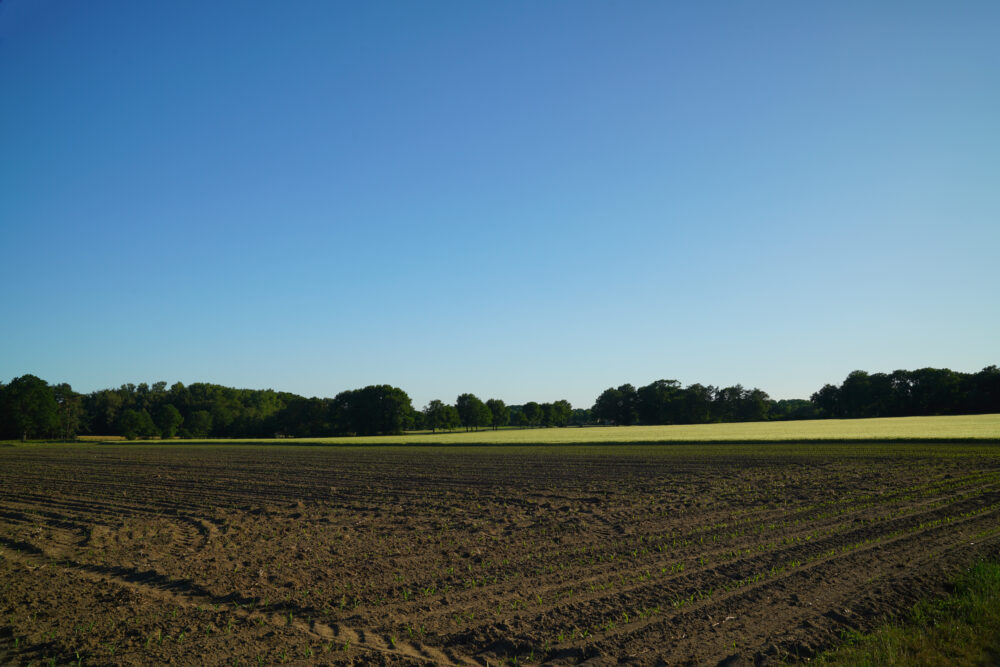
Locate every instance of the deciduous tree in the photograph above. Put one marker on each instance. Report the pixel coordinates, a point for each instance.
(28, 408)
(168, 419)
(499, 413)
(472, 412)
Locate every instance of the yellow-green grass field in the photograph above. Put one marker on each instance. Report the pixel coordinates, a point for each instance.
(930, 429)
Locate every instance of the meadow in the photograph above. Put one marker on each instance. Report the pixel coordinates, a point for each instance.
(483, 555)
(941, 428)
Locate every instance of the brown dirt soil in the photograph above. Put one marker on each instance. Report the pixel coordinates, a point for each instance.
(643, 555)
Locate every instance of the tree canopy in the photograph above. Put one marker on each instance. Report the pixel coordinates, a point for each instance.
(28, 408)
(472, 412)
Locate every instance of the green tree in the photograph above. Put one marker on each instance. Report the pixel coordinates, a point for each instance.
(517, 415)
(936, 391)
(696, 405)
(102, 409)
(984, 391)
(727, 403)
(754, 406)
(199, 424)
(376, 409)
(472, 412)
(168, 419)
(450, 420)
(794, 408)
(70, 410)
(660, 402)
(28, 408)
(499, 413)
(303, 418)
(137, 424)
(856, 399)
(827, 401)
(616, 406)
(546, 409)
(440, 416)
(559, 413)
(532, 413)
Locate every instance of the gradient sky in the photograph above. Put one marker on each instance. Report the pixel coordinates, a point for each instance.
(524, 200)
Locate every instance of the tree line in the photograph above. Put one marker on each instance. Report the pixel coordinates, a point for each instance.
(667, 402)
(927, 391)
(32, 408)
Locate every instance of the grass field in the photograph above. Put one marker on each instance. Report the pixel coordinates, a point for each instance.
(948, 428)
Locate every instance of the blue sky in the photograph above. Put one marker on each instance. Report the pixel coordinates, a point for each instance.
(529, 201)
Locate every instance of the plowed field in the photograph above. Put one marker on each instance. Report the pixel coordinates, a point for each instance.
(645, 555)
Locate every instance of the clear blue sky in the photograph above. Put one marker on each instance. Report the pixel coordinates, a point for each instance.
(525, 200)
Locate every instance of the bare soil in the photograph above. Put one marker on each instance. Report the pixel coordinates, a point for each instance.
(643, 555)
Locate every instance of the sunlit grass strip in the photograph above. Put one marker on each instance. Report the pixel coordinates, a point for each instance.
(960, 629)
(902, 428)
(947, 428)
(956, 428)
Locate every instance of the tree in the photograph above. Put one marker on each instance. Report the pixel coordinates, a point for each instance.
(856, 399)
(223, 415)
(70, 410)
(450, 419)
(393, 408)
(499, 413)
(606, 406)
(546, 414)
(827, 401)
(199, 424)
(659, 402)
(137, 424)
(901, 393)
(438, 415)
(697, 404)
(984, 391)
(376, 409)
(936, 391)
(103, 408)
(472, 411)
(531, 413)
(725, 407)
(168, 419)
(303, 418)
(28, 408)
(559, 413)
(754, 405)
(617, 406)
(794, 408)
(580, 417)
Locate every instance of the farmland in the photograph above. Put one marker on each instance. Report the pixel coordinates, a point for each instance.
(641, 553)
(947, 428)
